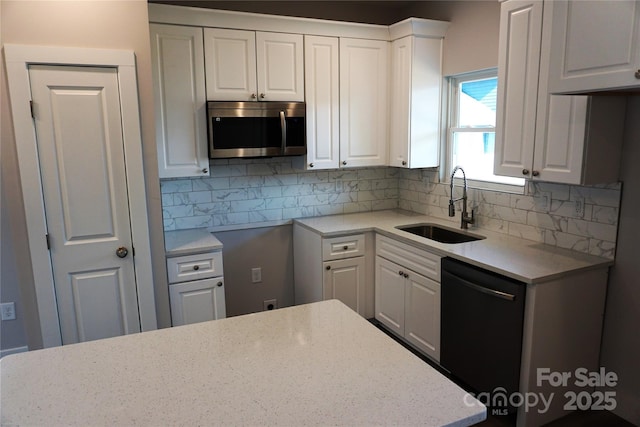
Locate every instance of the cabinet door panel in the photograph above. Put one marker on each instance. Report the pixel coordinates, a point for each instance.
(595, 45)
(422, 314)
(280, 66)
(390, 300)
(518, 62)
(345, 281)
(323, 102)
(197, 301)
(363, 102)
(230, 60)
(180, 107)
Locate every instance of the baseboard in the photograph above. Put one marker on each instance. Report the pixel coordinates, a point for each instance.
(14, 350)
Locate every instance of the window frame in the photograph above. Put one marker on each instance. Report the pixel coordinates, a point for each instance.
(453, 83)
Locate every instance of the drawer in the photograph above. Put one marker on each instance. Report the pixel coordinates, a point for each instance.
(418, 260)
(342, 247)
(194, 267)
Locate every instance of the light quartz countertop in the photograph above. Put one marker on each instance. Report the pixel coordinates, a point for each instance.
(191, 241)
(314, 364)
(523, 260)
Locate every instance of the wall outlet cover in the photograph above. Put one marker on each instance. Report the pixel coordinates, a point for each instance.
(8, 310)
(270, 304)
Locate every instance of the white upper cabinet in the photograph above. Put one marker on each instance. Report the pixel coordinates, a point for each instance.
(322, 101)
(230, 58)
(180, 104)
(416, 80)
(558, 138)
(249, 66)
(519, 56)
(595, 45)
(363, 102)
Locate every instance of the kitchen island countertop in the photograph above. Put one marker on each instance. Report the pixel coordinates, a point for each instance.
(314, 364)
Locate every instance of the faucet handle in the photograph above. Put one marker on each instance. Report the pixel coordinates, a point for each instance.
(452, 208)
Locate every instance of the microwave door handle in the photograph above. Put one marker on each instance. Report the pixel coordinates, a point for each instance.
(283, 127)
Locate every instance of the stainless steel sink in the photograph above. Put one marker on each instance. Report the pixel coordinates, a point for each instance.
(439, 233)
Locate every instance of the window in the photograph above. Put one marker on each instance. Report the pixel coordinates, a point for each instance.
(472, 133)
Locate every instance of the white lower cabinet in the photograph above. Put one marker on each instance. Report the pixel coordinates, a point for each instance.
(407, 294)
(339, 267)
(196, 288)
(197, 301)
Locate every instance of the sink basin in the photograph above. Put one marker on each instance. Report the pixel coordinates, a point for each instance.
(439, 234)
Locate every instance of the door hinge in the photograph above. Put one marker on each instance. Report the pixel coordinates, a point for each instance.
(46, 236)
(33, 115)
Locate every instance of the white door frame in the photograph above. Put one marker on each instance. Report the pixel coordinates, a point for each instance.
(18, 58)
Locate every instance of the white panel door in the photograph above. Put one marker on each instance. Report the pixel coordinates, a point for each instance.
(344, 280)
(177, 58)
(595, 45)
(389, 301)
(518, 62)
(80, 146)
(363, 102)
(323, 102)
(400, 123)
(280, 66)
(422, 314)
(230, 63)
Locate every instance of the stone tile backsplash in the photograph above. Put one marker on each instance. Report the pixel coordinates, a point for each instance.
(241, 192)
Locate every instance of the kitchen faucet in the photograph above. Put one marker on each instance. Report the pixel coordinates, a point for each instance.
(465, 219)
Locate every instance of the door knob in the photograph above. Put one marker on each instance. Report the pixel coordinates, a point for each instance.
(253, 96)
(122, 252)
(525, 171)
(262, 96)
(205, 170)
(535, 173)
(344, 162)
(404, 163)
(638, 74)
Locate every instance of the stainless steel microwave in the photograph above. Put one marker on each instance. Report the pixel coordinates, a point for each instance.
(256, 129)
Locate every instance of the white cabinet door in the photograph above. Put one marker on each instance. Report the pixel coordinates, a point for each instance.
(180, 105)
(422, 314)
(416, 79)
(363, 102)
(280, 63)
(197, 301)
(344, 280)
(595, 45)
(230, 60)
(518, 61)
(323, 102)
(390, 298)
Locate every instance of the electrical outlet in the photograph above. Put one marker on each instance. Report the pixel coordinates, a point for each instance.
(8, 310)
(256, 275)
(545, 201)
(270, 304)
(579, 207)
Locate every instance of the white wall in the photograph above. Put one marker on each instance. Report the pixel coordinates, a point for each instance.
(97, 24)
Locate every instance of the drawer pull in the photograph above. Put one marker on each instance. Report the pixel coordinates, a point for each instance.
(219, 284)
(196, 267)
(328, 267)
(400, 273)
(345, 247)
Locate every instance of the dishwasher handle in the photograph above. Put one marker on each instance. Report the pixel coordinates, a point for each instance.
(490, 292)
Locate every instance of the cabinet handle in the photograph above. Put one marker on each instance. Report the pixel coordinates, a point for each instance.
(310, 165)
(345, 247)
(344, 162)
(263, 96)
(328, 267)
(196, 267)
(525, 171)
(219, 284)
(405, 275)
(404, 163)
(535, 173)
(253, 96)
(400, 273)
(637, 74)
(205, 170)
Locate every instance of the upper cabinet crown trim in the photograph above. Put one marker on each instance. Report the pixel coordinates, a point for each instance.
(200, 17)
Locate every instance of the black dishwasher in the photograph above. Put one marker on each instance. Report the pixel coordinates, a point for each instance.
(482, 315)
